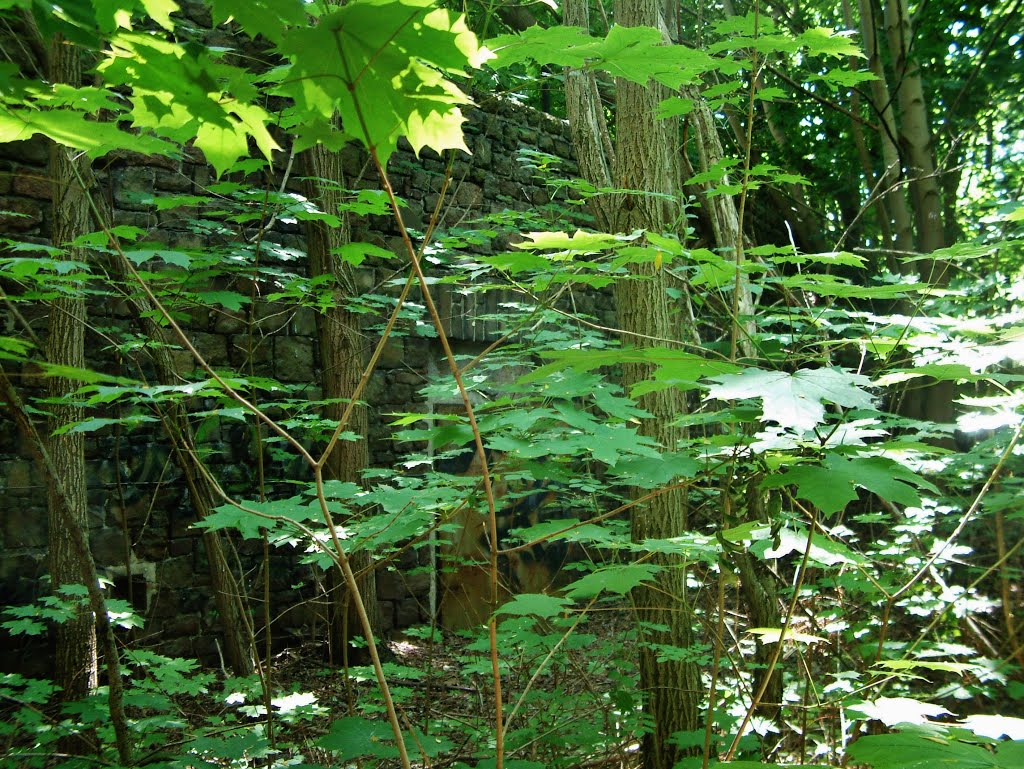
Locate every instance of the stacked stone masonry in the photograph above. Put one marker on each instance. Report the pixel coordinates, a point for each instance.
(133, 485)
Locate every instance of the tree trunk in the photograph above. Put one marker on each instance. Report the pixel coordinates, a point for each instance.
(892, 197)
(76, 662)
(644, 160)
(341, 362)
(916, 140)
(933, 402)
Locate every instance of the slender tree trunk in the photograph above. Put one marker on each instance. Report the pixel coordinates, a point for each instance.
(916, 140)
(892, 196)
(203, 492)
(933, 402)
(78, 541)
(644, 160)
(341, 362)
(76, 662)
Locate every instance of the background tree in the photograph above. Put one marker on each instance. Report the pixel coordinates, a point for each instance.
(644, 165)
(76, 663)
(342, 363)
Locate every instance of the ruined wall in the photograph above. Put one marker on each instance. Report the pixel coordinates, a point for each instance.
(137, 500)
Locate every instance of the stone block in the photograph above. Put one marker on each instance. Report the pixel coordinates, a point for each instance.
(19, 474)
(31, 151)
(32, 184)
(387, 617)
(173, 181)
(469, 194)
(133, 188)
(407, 613)
(230, 322)
(304, 322)
(175, 574)
(393, 354)
(211, 346)
(139, 219)
(107, 546)
(25, 566)
(19, 215)
(293, 359)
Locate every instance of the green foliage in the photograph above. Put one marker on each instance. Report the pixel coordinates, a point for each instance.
(805, 477)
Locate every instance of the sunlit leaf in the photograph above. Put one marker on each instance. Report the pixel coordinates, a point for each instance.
(795, 401)
(772, 635)
(832, 485)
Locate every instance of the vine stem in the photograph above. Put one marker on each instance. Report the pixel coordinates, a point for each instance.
(492, 517)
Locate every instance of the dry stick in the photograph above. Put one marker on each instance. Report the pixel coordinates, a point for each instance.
(790, 611)
(317, 466)
(715, 667)
(737, 288)
(266, 672)
(268, 639)
(1004, 584)
(392, 321)
(339, 556)
(97, 602)
(435, 317)
(453, 365)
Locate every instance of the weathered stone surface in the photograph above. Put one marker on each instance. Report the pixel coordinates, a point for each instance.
(293, 360)
(144, 486)
(393, 354)
(19, 214)
(32, 184)
(107, 546)
(24, 527)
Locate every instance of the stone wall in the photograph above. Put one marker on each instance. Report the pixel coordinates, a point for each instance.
(137, 500)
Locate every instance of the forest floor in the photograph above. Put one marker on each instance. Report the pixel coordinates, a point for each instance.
(554, 684)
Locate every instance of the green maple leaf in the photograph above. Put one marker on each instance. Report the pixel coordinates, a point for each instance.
(75, 129)
(673, 368)
(795, 401)
(920, 751)
(251, 526)
(563, 46)
(382, 64)
(638, 54)
(354, 736)
(822, 41)
(615, 579)
(833, 484)
(833, 285)
(535, 604)
(184, 92)
(160, 11)
(270, 18)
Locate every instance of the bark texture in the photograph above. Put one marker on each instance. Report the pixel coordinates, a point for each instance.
(892, 197)
(932, 402)
(916, 140)
(644, 161)
(341, 361)
(76, 660)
